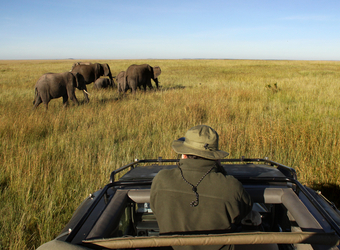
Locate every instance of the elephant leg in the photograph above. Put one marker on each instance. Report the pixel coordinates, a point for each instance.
(45, 97)
(45, 101)
(70, 94)
(156, 81)
(133, 85)
(74, 99)
(37, 102)
(65, 100)
(46, 105)
(148, 83)
(86, 97)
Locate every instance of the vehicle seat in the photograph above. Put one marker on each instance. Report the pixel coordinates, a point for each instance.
(108, 223)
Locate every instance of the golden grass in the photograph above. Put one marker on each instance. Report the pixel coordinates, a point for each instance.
(285, 110)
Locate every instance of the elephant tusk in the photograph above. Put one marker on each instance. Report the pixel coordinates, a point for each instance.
(86, 92)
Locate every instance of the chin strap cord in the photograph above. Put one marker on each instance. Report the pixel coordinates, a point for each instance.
(194, 188)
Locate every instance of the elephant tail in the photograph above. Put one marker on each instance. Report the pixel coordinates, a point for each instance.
(35, 94)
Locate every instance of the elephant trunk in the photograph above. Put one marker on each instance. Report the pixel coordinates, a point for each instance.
(112, 83)
(156, 81)
(110, 76)
(106, 70)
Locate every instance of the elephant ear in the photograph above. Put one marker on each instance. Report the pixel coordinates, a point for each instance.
(106, 68)
(98, 70)
(76, 76)
(156, 71)
(80, 82)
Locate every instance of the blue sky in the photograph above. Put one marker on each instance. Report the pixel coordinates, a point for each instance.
(143, 29)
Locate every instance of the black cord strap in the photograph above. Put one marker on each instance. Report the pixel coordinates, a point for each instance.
(194, 188)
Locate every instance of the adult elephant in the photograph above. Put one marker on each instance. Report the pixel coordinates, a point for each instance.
(137, 76)
(103, 83)
(91, 72)
(56, 85)
(80, 63)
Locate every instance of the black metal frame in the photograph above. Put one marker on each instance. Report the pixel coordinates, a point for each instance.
(287, 171)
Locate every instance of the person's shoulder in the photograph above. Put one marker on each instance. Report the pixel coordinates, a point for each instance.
(164, 173)
(231, 180)
(230, 177)
(163, 178)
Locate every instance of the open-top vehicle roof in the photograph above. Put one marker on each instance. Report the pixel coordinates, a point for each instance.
(292, 216)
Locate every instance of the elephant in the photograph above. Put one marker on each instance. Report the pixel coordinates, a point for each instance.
(55, 85)
(120, 81)
(137, 76)
(103, 83)
(80, 63)
(91, 72)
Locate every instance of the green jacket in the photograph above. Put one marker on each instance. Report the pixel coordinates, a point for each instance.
(222, 200)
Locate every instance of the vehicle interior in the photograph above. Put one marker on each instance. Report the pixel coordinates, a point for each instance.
(276, 210)
(283, 216)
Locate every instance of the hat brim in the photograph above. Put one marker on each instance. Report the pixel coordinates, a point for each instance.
(181, 148)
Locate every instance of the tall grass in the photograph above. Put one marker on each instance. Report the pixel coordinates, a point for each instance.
(50, 161)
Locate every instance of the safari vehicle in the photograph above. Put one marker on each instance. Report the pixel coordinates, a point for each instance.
(288, 215)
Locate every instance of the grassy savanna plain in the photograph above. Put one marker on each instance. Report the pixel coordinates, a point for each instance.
(51, 160)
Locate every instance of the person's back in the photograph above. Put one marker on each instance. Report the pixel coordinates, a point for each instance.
(196, 197)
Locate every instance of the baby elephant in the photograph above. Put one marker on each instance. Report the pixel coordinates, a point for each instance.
(103, 83)
(55, 85)
(120, 82)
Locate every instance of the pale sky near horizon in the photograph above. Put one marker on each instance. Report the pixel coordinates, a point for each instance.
(135, 29)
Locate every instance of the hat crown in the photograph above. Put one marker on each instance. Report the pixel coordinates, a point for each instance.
(200, 140)
(202, 137)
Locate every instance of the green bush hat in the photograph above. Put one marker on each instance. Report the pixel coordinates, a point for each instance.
(200, 140)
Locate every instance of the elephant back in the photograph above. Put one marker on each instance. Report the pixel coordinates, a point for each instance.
(80, 63)
(90, 72)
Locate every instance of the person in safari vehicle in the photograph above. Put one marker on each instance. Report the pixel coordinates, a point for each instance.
(198, 196)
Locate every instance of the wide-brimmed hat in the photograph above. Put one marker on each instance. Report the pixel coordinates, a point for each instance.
(200, 140)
